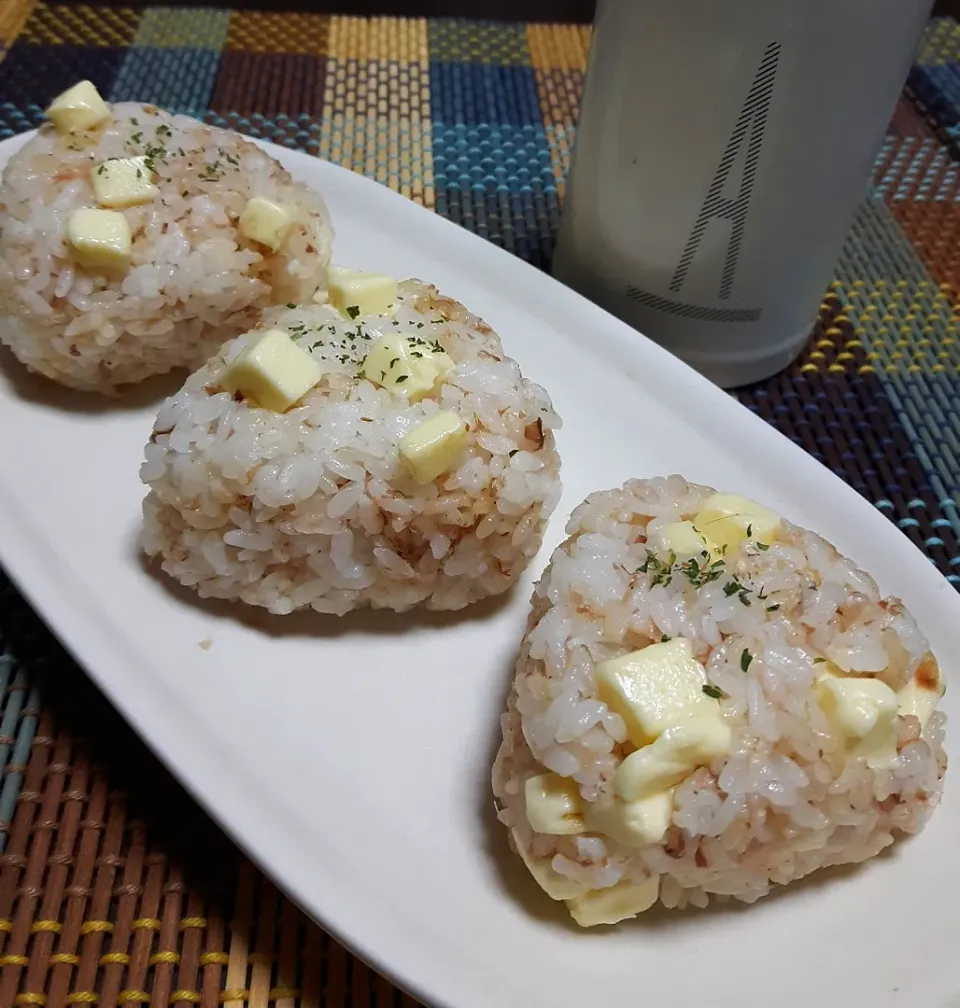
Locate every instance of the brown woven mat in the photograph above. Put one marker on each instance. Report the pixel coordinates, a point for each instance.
(116, 888)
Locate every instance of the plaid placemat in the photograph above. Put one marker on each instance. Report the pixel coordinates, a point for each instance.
(114, 887)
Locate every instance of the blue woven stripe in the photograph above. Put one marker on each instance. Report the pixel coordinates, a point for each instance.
(472, 94)
(498, 181)
(179, 79)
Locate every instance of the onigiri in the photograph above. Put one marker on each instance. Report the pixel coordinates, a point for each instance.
(133, 242)
(710, 702)
(336, 457)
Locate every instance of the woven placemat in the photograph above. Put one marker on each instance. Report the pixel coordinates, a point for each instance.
(114, 886)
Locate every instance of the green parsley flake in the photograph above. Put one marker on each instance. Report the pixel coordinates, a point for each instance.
(698, 575)
(661, 573)
(712, 691)
(819, 661)
(745, 659)
(353, 311)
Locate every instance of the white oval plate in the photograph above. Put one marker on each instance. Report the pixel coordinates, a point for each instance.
(351, 758)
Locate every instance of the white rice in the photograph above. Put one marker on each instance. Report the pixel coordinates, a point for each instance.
(788, 799)
(195, 280)
(313, 508)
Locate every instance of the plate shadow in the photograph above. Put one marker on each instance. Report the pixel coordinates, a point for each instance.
(35, 388)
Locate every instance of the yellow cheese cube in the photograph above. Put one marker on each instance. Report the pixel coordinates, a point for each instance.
(854, 704)
(265, 222)
(879, 747)
(100, 239)
(78, 108)
(683, 747)
(354, 292)
(272, 372)
(920, 702)
(863, 711)
(610, 906)
(434, 446)
(654, 687)
(555, 885)
(121, 182)
(683, 539)
(633, 824)
(406, 365)
(726, 520)
(553, 804)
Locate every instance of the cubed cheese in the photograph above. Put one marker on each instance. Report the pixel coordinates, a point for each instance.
(265, 222)
(406, 365)
(683, 539)
(272, 371)
(726, 520)
(633, 824)
(555, 885)
(553, 804)
(121, 182)
(683, 747)
(434, 446)
(99, 239)
(354, 292)
(863, 711)
(78, 108)
(917, 700)
(854, 704)
(610, 906)
(879, 747)
(654, 687)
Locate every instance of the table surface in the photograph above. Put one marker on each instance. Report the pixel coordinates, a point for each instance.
(114, 886)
